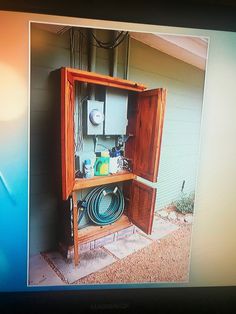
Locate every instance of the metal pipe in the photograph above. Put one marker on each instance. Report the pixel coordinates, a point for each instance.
(92, 62)
(127, 58)
(114, 57)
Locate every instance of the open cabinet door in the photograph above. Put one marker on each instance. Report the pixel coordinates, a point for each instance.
(148, 133)
(142, 205)
(67, 135)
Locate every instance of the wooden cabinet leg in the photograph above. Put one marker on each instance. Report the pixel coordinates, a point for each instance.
(75, 229)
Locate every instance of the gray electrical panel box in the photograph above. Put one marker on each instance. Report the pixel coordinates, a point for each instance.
(116, 103)
(95, 117)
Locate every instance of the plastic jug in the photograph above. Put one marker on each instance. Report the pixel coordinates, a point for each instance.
(101, 166)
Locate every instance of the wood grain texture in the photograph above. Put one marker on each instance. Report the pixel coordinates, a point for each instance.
(131, 127)
(99, 79)
(75, 229)
(93, 232)
(67, 135)
(148, 133)
(142, 206)
(127, 195)
(100, 180)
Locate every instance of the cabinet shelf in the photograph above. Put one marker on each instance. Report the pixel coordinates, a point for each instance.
(91, 233)
(84, 183)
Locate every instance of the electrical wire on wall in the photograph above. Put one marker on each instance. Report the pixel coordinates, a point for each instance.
(72, 65)
(126, 74)
(80, 97)
(110, 44)
(80, 51)
(107, 45)
(72, 47)
(76, 53)
(77, 44)
(80, 139)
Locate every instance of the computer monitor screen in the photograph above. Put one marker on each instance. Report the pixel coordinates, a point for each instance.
(117, 154)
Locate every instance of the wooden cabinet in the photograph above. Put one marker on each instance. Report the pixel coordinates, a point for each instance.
(145, 123)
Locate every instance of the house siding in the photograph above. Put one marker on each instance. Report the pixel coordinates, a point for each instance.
(180, 141)
(48, 53)
(179, 153)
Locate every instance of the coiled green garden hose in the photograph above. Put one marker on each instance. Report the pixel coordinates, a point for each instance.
(93, 205)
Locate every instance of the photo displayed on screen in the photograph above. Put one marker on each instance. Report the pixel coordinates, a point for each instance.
(115, 118)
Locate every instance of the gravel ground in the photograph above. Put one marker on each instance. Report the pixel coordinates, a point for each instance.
(166, 260)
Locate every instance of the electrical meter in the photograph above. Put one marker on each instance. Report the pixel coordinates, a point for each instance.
(96, 117)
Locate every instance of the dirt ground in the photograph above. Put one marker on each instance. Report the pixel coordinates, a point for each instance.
(165, 260)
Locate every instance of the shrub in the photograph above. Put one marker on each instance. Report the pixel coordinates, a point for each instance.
(185, 204)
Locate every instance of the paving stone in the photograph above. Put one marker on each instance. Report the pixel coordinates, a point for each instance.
(172, 216)
(128, 245)
(84, 247)
(115, 236)
(92, 245)
(161, 228)
(90, 262)
(41, 274)
(104, 240)
(125, 232)
(163, 213)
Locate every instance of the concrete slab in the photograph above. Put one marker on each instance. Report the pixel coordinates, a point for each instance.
(161, 228)
(125, 232)
(41, 274)
(90, 262)
(128, 245)
(104, 240)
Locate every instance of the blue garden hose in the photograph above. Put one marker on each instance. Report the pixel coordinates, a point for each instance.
(93, 205)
